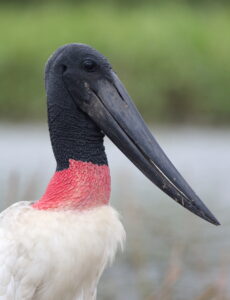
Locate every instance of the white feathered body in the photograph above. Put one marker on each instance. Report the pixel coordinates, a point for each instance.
(55, 255)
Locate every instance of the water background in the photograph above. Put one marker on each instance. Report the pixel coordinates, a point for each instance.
(168, 250)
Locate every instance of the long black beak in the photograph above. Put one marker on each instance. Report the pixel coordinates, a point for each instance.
(115, 113)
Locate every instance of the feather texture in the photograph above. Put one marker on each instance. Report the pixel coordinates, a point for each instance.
(55, 255)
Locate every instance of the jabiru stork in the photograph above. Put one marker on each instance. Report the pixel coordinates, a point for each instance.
(57, 247)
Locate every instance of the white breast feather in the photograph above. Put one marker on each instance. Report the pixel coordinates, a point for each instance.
(48, 255)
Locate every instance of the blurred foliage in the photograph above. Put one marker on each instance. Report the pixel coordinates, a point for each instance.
(123, 3)
(174, 59)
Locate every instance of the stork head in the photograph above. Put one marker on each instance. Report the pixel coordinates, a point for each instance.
(84, 80)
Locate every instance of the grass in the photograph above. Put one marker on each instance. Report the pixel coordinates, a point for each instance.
(174, 59)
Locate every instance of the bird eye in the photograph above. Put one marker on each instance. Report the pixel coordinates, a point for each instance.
(64, 68)
(89, 65)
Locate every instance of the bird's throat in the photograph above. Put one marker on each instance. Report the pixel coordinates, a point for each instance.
(83, 185)
(82, 178)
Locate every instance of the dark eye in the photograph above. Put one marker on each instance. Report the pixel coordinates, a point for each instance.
(64, 68)
(89, 65)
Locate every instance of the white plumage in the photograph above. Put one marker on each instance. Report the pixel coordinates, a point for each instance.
(55, 255)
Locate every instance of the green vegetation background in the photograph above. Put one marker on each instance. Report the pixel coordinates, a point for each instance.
(173, 57)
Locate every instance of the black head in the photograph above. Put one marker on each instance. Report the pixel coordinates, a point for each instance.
(86, 97)
(80, 66)
(74, 135)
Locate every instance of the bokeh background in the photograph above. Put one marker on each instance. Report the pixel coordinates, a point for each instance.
(174, 58)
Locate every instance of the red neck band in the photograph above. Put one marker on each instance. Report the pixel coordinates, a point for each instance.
(83, 185)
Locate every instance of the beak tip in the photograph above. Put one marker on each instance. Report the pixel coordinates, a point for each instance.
(200, 209)
(211, 219)
(216, 222)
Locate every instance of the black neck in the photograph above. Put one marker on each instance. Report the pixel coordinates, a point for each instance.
(73, 134)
